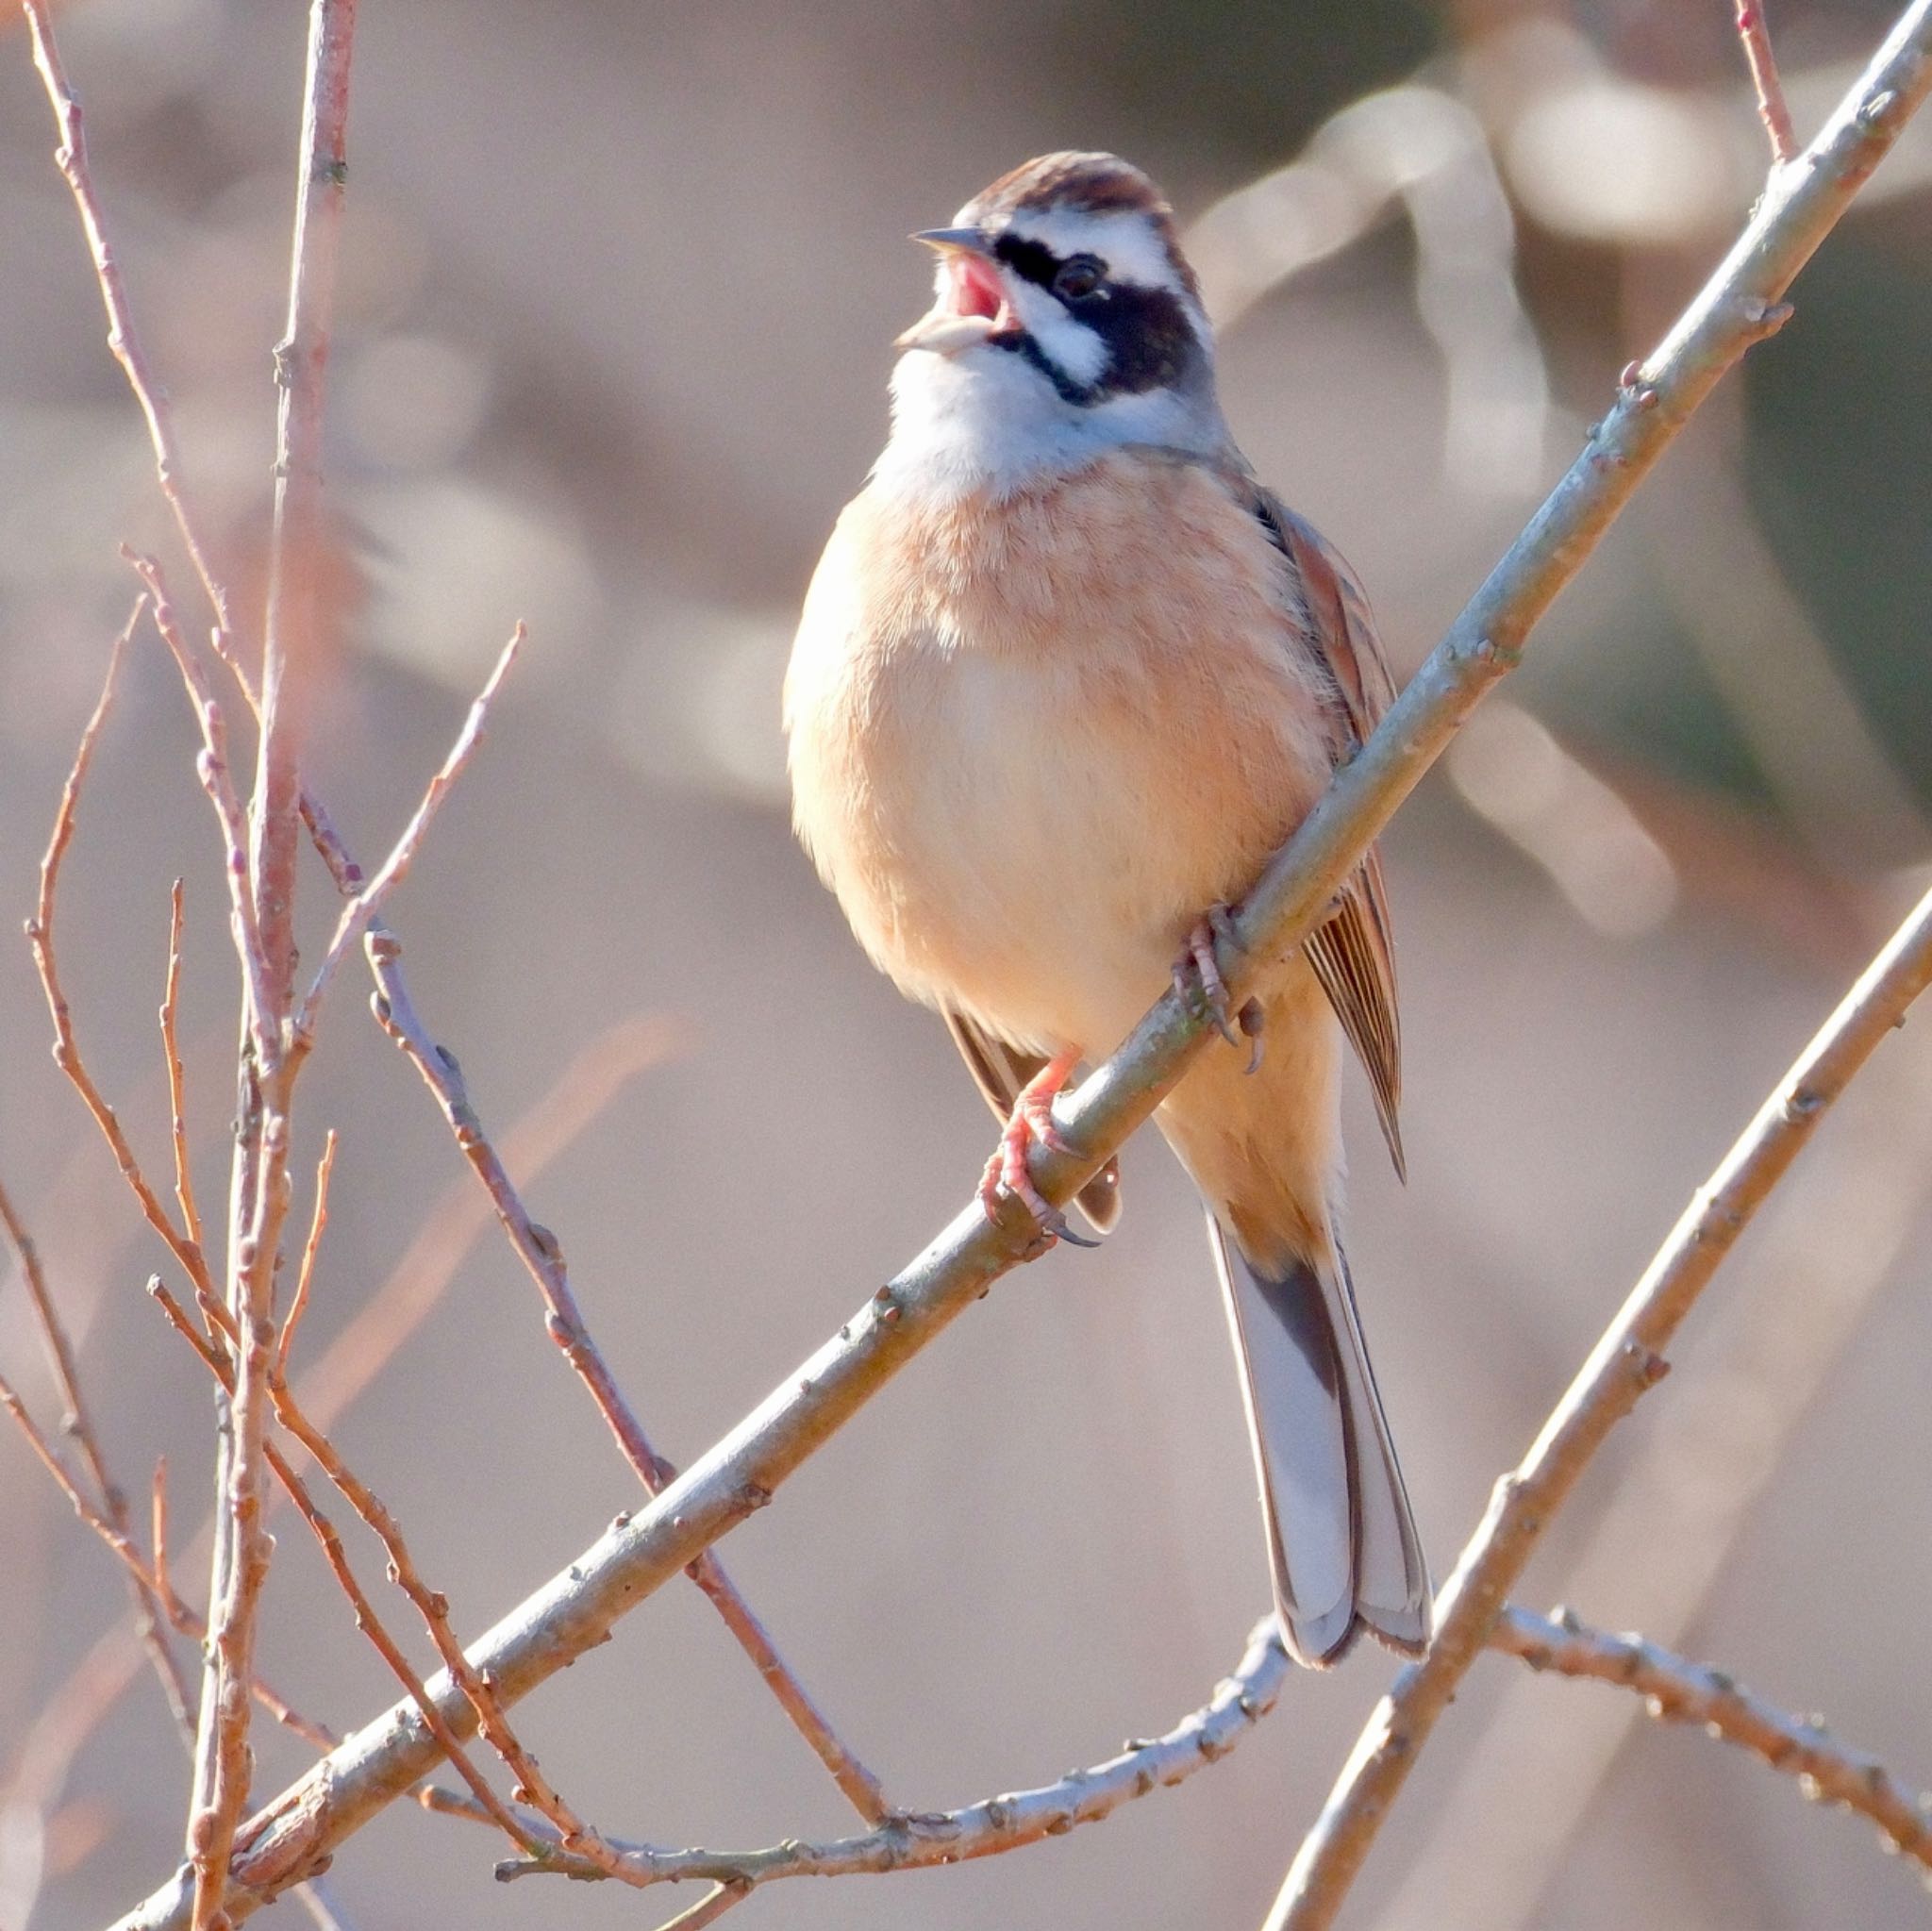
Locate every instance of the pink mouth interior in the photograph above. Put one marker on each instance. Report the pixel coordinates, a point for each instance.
(977, 288)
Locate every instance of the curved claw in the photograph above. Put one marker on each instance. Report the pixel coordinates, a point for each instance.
(1197, 980)
(1006, 1173)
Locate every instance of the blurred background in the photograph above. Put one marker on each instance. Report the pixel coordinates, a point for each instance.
(618, 288)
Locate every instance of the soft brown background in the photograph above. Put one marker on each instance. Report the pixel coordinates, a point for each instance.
(612, 352)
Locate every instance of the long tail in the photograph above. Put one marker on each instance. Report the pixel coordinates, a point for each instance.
(1340, 1537)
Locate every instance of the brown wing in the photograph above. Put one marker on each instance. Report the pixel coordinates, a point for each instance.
(1353, 954)
(1000, 1070)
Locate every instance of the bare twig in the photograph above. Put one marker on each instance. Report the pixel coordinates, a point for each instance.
(542, 1257)
(1754, 30)
(357, 913)
(1676, 1690)
(984, 1829)
(40, 932)
(367, 1621)
(532, 1786)
(1625, 1362)
(70, 157)
(576, 1609)
(178, 1085)
(260, 1190)
(353, 1358)
(75, 1423)
(144, 1576)
(216, 772)
(317, 1221)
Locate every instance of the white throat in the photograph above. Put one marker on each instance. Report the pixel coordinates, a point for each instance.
(985, 419)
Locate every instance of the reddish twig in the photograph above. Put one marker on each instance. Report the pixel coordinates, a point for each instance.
(75, 1423)
(317, 1221)
(361, 910)
(216, 773)
(369, 1339)
(70, 157)
(40, 933)
(260, 1186)
(542, 1257)
(532, 1786)
(1754, 33)
(144, 1576)
(367, 1621)
(178, 1085)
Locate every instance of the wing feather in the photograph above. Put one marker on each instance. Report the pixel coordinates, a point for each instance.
(1353, 954)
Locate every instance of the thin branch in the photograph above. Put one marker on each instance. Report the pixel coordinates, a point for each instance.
(538, 1248)
(357, 913)
(116, 1539)
(261, 1189)
(1624, 1363)
(76, 1423)
(178, 1085)
(576, 1609)
(40, 933)
(357, 1354)
(987, 1828)
(215, 770)
(1754, 30)
(70, 157)
(1676, 1690)
(532, 1786)
(367, 1621)
(317, 1221)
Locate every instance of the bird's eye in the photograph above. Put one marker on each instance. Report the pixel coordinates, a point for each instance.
(1078, 278)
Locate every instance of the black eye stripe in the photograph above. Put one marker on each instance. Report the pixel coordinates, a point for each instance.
(1151, 342)
(1033, 262)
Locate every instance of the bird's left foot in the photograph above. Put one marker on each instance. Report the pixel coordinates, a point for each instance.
(1006, 1171)
(1197, 981)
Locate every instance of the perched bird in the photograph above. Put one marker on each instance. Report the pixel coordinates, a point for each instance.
(1066, 676)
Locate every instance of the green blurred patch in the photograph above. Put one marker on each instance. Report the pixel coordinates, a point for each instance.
(1238, 83)
(1839, 474)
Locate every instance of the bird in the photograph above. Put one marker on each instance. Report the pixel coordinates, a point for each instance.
(1065, 676)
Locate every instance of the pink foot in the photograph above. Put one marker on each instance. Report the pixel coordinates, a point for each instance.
(1197, 980)
(1007, 1172)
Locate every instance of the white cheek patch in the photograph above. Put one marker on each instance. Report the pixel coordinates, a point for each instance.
(1071, 346)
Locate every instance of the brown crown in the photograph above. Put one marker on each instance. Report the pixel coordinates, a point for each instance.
(1089, 184)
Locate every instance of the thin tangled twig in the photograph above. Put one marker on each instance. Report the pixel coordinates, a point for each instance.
(142, 1573)
(367, 1621)
(1676, 1690)
(149, 1604)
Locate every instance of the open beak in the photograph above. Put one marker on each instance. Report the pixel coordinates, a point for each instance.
(971, 300)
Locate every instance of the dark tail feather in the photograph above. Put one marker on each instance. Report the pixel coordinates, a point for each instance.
(1340, 1537)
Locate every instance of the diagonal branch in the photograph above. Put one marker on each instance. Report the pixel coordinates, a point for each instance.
(1676, 1690)
(542, 1254)
(576, 1609)
(1624, 1364)
(150, 1602)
